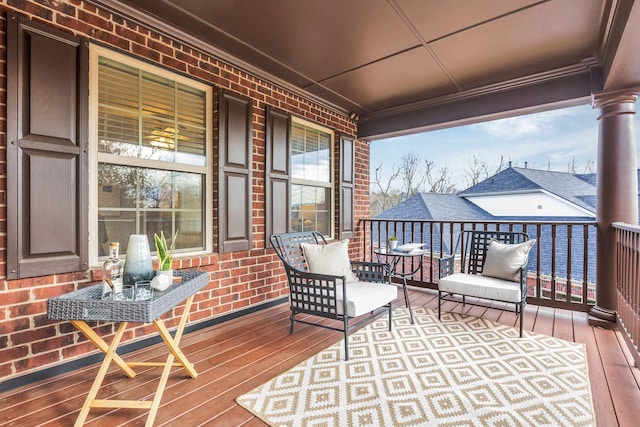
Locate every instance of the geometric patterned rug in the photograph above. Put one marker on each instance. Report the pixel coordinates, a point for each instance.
(460, 371)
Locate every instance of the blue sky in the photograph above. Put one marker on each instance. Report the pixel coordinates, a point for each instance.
(552, 138)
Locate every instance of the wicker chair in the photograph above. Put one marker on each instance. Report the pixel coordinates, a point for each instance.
(328, 296)
(474, 281)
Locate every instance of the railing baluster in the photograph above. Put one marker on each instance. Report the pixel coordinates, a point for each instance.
(585, 264)
(569, 261)
(628, 281)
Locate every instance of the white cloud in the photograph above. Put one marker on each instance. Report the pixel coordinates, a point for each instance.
(513, 128)
(547, 139)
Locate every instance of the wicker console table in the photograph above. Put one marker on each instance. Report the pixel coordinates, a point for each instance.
(86, 305)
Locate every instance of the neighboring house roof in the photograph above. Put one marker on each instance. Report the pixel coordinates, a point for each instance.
(577, 189)
(435, 206)
(589, 177)
(573, 188)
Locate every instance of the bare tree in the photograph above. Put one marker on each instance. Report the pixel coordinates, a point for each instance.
(477, 170)
(439, 181)
(412, 181)
(590, 166)
(501, 165)
(386, 195)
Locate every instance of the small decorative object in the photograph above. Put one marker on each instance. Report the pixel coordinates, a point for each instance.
(112, 272)
(392, 242)
(164, 275)
(138, 264)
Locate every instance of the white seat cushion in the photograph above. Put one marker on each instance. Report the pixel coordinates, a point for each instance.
(476, 285)
(364, 297)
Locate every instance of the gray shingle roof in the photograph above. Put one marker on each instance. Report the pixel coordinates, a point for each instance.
(435, 206)
(575, 189)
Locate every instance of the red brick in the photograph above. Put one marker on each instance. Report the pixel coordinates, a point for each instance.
(35, 361)
(5, 369)
(15, 297)
(95, 20)
(32, 335)
(14, 325)
(51, 344)
(130, 35)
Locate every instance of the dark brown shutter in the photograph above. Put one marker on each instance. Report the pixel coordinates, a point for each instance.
(235, 144)
(347, 178)
(278, 173)
(47, 164)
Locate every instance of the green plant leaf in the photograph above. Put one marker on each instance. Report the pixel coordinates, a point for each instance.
(165, 256)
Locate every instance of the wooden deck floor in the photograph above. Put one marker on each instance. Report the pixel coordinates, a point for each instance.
(236, 356)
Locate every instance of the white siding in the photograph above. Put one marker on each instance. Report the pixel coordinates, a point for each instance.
(529, 204)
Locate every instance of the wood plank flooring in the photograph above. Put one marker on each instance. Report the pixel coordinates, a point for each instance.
(236, 356)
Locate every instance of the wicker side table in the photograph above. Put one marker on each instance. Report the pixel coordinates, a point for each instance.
(86, 305)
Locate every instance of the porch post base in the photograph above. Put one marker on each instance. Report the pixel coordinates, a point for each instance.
(602, 317)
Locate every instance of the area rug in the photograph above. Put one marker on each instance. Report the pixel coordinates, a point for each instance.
(458, 371)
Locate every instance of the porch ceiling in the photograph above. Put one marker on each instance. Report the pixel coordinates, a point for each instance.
(392, 61)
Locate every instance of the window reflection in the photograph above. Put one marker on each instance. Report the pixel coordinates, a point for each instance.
(310, 209)
(135, 200)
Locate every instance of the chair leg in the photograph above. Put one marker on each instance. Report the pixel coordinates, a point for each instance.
(292, 317)
(346, 338)
(390, 311)
(439, 302)
(521, 317)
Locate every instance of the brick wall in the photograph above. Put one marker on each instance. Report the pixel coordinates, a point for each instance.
(28, 340)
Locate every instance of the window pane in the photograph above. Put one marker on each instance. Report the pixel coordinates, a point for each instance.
(146, 116)
(310, 154)
(310, 208)
(114, 226)
(135, 200)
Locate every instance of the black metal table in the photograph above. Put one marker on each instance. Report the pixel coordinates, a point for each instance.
(393, 258)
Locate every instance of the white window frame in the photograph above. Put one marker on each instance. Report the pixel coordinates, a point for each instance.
(331, 184)
(95, 52)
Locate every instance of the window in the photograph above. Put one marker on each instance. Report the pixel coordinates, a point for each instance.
(150, 154)
(311, 178)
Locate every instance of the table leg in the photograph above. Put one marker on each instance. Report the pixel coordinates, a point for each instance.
(102, 345)
(174, 352)
(406, 297)
(109, 355)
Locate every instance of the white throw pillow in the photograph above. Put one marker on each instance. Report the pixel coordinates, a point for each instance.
(332, 259)
(504, 261)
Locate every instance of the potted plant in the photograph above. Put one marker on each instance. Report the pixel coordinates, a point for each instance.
(164, 274)
(392, 242)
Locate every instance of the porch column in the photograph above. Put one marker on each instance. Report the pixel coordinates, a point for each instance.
(617, 191)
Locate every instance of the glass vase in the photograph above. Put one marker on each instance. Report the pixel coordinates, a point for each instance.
(138, 265)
